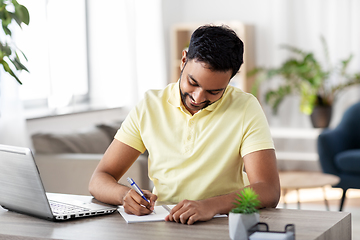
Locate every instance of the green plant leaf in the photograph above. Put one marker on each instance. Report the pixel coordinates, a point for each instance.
(5, 48)
(292, 49)
(6, 30)
(21, 14)
(8, 69)
(18, 65)
(345, 63)
(246, 202)
(275, 97)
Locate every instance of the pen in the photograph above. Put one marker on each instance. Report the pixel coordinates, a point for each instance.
(167, 208)
(137, 189)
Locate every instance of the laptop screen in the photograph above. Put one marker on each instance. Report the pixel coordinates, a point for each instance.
(21, 188)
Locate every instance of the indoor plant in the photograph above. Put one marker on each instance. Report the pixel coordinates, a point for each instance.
(9, 54)
(302, 74)
(244, 215)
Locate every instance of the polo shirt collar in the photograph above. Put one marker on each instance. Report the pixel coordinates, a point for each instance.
(175, 98)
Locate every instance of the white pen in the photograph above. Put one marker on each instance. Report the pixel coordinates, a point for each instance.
(167, 208)
(137, 189)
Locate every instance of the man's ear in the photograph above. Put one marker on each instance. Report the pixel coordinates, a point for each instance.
(183, 59)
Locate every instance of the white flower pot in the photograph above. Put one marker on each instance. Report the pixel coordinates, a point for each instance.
(240, 223)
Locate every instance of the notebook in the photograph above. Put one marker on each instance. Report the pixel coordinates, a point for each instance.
(159, 214)
(21, 190)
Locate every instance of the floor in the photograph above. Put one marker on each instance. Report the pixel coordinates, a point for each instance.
(312, 199)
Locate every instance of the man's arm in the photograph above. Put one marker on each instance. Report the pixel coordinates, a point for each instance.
(264, 180)
(104, 185)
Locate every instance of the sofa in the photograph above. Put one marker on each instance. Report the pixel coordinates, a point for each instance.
(66, 161)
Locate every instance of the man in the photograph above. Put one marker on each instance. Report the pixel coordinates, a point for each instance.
(200, 133)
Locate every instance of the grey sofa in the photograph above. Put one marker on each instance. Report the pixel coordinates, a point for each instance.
(66, 161)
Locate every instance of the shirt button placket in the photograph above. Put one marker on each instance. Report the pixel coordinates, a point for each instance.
(190, 136)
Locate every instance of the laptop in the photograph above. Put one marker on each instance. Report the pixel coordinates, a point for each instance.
(21, 190)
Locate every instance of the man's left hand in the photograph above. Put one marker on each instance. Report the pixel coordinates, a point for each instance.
(189, 212)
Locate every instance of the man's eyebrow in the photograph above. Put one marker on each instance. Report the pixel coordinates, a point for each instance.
(212, 90)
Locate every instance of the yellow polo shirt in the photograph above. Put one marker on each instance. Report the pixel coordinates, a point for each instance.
(200, 156)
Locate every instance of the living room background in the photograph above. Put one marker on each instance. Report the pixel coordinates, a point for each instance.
(148, 24)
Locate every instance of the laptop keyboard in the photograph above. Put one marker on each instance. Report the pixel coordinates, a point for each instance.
(63, 208)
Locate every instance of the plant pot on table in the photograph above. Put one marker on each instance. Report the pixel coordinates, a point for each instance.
(321, 116)
(240, 223)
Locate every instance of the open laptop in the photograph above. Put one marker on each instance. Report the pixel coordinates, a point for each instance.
(22, 190)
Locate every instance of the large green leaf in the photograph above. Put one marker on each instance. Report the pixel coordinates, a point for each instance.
(18, 65)
(6, 49)
(21, 14)
(8, 69)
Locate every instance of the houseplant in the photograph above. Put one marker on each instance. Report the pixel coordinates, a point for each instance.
(303, 74)
(244, 215)
(11, 11)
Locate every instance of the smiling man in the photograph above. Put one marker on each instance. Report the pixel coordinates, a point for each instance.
(200, 134)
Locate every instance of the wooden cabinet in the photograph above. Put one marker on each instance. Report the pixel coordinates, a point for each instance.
(180, 38)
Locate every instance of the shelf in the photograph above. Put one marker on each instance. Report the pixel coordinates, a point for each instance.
(296, 133)
(297, 156)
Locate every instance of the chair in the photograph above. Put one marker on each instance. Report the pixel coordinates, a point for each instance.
(339, 151)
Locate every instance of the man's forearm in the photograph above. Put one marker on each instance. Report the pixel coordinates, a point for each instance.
(106, 189)
(268, 196)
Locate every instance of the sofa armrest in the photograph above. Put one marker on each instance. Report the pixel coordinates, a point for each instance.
(330, 142)
(71, 173)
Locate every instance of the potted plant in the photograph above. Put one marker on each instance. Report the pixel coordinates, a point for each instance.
(304, 75)
(9, 54)
(244, 215)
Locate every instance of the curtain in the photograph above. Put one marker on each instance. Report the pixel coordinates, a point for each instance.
(12, 121)
(126, 50)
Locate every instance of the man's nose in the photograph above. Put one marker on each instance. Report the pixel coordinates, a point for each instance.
(199, 95)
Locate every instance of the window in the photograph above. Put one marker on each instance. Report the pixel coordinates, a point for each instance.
(55, 45)
(100, 53)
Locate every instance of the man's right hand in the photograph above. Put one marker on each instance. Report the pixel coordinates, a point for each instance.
(133, 203)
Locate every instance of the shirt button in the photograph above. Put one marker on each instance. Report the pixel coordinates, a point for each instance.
(189, 137)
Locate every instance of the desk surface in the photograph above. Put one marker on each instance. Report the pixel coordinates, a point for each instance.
(308, 225)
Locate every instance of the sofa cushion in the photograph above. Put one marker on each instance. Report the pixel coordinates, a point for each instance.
(348, 161)
(92, 140)
(110, 129)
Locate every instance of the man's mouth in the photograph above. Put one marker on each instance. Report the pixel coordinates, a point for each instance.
(195, 104)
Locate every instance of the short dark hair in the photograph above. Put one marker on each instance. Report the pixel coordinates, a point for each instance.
(217, 46)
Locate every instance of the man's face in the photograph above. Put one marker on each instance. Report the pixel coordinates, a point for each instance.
(200, 86)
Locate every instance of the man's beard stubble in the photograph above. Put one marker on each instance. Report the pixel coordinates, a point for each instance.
(183, 99)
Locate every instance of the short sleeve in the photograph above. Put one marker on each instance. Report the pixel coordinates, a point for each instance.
(129, 132)
(257, 135)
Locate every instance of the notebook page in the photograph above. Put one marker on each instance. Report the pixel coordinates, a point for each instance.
(159, 215)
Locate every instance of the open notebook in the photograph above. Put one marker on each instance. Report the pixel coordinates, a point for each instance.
(159, 215)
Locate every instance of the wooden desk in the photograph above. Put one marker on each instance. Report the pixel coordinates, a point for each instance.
(308, 225)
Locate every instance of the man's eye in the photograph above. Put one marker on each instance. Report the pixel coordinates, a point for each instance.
(214, 92)
(192, 83)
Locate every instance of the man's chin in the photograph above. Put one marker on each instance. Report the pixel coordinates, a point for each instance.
(195, 108)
